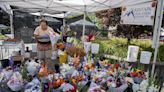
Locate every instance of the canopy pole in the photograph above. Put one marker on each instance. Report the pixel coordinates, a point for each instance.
(157, 30)
(11, 25)
(64, 20)
(84, 18)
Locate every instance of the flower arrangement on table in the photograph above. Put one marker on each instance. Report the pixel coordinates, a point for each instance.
(113, 77)
(138, 76)
(89, 66)
(74, 50)
(58, 81)
(76, 79)
(60, 46)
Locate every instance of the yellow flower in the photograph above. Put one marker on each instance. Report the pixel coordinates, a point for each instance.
(138, 70)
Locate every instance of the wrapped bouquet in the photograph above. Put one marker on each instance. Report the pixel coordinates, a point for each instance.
(15, 83)
(75, 50)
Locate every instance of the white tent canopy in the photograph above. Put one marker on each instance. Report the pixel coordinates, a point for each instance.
(2, 26)
(81, 22)
(55, 6)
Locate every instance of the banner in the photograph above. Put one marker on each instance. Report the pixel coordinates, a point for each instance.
(141, 14)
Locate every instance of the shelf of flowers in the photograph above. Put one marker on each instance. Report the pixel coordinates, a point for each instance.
(76, 74)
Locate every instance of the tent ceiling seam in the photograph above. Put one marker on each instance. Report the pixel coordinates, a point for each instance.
(43, 7)
(68, 6)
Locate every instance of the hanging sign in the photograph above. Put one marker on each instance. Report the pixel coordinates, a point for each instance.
(132, 53)
(141, 14)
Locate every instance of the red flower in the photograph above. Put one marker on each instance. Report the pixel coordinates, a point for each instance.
(134, 74)
(117, 66)
(109, 64)
(73, 90)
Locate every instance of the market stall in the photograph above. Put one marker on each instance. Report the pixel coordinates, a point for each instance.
(79, 66)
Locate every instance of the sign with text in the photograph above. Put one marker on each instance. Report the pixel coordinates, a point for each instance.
(95, 48)
(142, 14)
(132, 53)
(145, 57)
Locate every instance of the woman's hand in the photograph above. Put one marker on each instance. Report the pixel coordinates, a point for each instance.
(37, 36)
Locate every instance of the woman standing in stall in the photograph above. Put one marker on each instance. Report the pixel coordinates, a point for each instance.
(41, 34)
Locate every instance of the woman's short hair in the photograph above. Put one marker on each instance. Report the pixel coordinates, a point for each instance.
(44, 21)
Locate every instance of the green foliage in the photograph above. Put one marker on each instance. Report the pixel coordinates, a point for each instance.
(104, 33)
(25, 73)
(2, 36)
(118, 47)
(94, 19)
(161, 52)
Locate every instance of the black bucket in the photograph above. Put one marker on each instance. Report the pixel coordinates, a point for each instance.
(5, 63)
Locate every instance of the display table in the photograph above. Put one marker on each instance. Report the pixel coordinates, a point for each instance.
(7, 48)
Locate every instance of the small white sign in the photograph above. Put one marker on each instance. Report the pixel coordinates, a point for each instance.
(145, 57)
(95, 48)
(87, 46)
(132, 53)
(141, 14)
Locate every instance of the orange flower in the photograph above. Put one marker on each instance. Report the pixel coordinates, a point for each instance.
(60, 46)
(75, 50)
(134, 74)
(43, 71)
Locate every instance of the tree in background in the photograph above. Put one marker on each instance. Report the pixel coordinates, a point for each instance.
(4, 18)
(111, 17)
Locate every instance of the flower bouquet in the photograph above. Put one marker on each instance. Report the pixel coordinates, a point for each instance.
(32, 67)
(76, 78)
(58, 81)
(89, 66)
(73, 50)
(15, 83)
(6, 74)
(104, 63)
(60, 46)
(63, 57)
(43, 73)
(33, 86)
(138, 76)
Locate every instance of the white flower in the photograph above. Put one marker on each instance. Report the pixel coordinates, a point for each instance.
(135, 87)
(144, 84)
